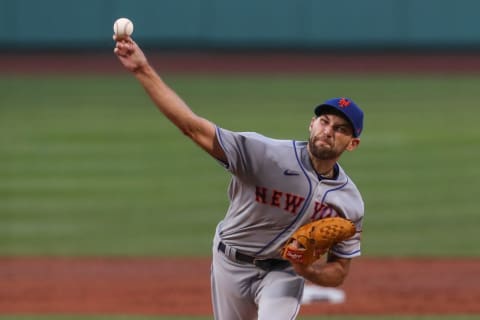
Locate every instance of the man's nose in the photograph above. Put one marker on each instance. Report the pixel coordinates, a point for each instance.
(328, 130)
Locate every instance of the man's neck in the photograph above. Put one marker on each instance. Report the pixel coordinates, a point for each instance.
(324, 168)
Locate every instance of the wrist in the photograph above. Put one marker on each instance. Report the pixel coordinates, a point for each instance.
(143, 69)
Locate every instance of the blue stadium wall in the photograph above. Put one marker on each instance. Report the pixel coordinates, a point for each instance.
(250, 24)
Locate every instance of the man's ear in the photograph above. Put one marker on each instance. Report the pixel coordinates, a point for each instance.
(354, 143)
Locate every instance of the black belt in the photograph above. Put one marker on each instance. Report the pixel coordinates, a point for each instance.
(265, 264)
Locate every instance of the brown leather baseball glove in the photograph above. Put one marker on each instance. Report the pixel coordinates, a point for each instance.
(312, 240)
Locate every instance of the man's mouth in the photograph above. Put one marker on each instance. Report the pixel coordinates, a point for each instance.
(324, 142)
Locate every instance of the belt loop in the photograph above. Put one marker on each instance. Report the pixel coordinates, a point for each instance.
(230, 252)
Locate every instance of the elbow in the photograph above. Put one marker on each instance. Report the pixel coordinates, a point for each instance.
(192, 128)
(340, 278)
(338, 281)
(332, 282)
(189, 131)
(336, 277)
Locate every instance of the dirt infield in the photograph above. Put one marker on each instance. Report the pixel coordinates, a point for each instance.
(181, 287)
(246, 62)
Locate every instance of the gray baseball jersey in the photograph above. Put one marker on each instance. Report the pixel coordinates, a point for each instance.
(274, 190)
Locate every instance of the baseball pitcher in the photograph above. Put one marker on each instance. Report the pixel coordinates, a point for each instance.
(291, 203)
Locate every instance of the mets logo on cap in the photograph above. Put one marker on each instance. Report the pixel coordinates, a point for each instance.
(343, 103)
(348, 108)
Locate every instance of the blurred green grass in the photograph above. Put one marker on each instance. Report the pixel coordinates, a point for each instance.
(88, 166)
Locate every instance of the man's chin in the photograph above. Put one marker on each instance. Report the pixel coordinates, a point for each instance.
(323, 154)
(322, 150)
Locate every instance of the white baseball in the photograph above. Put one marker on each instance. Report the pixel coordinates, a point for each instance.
(123, 27)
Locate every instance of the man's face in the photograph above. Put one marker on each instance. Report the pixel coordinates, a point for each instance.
(330, 136)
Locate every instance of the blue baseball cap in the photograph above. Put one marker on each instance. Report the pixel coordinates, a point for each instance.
(346, 107)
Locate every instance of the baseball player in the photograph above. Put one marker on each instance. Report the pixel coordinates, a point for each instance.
(276, 187)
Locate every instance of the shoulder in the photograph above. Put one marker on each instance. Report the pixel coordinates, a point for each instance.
(352, 198)
(349, 183)
(251, 137)
(250, 153)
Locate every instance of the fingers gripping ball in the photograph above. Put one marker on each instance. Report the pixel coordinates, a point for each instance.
(312, 240)
(123, 28)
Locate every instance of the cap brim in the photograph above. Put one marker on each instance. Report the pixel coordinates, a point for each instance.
(326, 108)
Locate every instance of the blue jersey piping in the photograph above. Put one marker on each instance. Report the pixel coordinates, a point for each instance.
(346, 254)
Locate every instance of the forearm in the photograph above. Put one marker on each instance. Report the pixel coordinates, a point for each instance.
(328, 274)
(164, 98)
(199, 129)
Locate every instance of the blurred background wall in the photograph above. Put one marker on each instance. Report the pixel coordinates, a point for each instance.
(250, 24)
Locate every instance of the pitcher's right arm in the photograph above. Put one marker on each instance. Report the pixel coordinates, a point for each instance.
(200, 130)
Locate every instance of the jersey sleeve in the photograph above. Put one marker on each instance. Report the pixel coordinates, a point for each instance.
(352, 247)
(350, 205)
(349, 248)
(244, 150)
